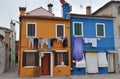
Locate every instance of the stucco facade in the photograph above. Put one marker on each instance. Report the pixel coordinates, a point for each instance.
(45, 62)
(112, 9)
(91, 38)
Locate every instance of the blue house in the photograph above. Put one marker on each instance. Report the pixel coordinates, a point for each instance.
(91, 38)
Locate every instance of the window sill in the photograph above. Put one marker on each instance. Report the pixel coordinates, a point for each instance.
(61, 66)
(28, 66)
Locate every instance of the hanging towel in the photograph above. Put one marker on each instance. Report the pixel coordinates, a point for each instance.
(81, 64)
(39, 42)
(65, 42)
(36, 43)
(86, 40)
(94, 42)
(31, 41)
(46, 41)
(102, 59)
(78, 49)
(49, 44)
(42, 43)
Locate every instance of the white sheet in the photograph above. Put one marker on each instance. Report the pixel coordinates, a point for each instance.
(81, 64)
(102, 59)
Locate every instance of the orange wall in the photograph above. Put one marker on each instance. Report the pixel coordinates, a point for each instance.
(45, 29)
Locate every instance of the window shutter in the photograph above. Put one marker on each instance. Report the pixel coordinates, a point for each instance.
(36, 58)
(65, 58)
(60, 30)
(24, 59)
(118, 9)
(55, 58)
(78, 29)
(100, 30)
(31, 29)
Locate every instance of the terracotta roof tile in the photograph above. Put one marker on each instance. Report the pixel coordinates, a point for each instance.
(39, 12)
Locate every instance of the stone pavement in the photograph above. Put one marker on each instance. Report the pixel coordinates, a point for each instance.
(12, 74)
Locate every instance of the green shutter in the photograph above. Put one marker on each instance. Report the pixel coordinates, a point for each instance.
(100, 30)
(78, 29)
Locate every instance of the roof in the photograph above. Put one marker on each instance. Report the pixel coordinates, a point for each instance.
(105, 6)
(38, 12)
(43, 17)
(90, 16)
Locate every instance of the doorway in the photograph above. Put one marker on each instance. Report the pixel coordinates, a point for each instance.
(46, 64)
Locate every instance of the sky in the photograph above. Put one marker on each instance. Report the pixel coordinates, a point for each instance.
(9, 9)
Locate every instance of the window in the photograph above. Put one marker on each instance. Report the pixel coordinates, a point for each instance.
(78, 29)
(31, 30)
(100, 30)
(61, 58)
(30, 58)
(60, 30)
(118, 9)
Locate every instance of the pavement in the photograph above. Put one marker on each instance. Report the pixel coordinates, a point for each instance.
(13, 74)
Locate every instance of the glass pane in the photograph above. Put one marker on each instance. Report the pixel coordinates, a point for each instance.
(60, 31)
(78, 29)
(30, 59)
(31, 29)
(100, 30)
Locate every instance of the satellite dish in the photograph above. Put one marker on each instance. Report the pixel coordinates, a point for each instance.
(62, 1)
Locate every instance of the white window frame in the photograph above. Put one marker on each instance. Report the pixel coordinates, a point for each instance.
(74, 29)
(63, 30)
(61, 51)
(103, 29)
(27, 29)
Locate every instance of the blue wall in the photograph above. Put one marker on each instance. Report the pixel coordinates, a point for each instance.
(89, 31)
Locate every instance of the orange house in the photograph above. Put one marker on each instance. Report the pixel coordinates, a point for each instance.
(44, 44)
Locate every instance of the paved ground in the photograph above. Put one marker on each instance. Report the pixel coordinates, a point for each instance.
(12, 74)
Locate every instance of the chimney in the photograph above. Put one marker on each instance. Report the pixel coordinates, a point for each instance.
(88, 10)
(50, 7)
(22, 11)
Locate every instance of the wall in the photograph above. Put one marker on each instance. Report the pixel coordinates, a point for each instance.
(89, 31)
(45, 29)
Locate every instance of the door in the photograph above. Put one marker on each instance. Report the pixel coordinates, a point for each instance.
(45, 64)
(92, 62)
(111, 63)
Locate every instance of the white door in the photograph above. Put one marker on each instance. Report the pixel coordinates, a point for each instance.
(92, 62)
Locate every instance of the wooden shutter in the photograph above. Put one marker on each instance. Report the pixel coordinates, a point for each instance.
(24, 59)
(60, 30)
(55, 58)
(100, 30)
(36, 58)
(118, 9)
(65, 58)
(31, 29)
(77, 29)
